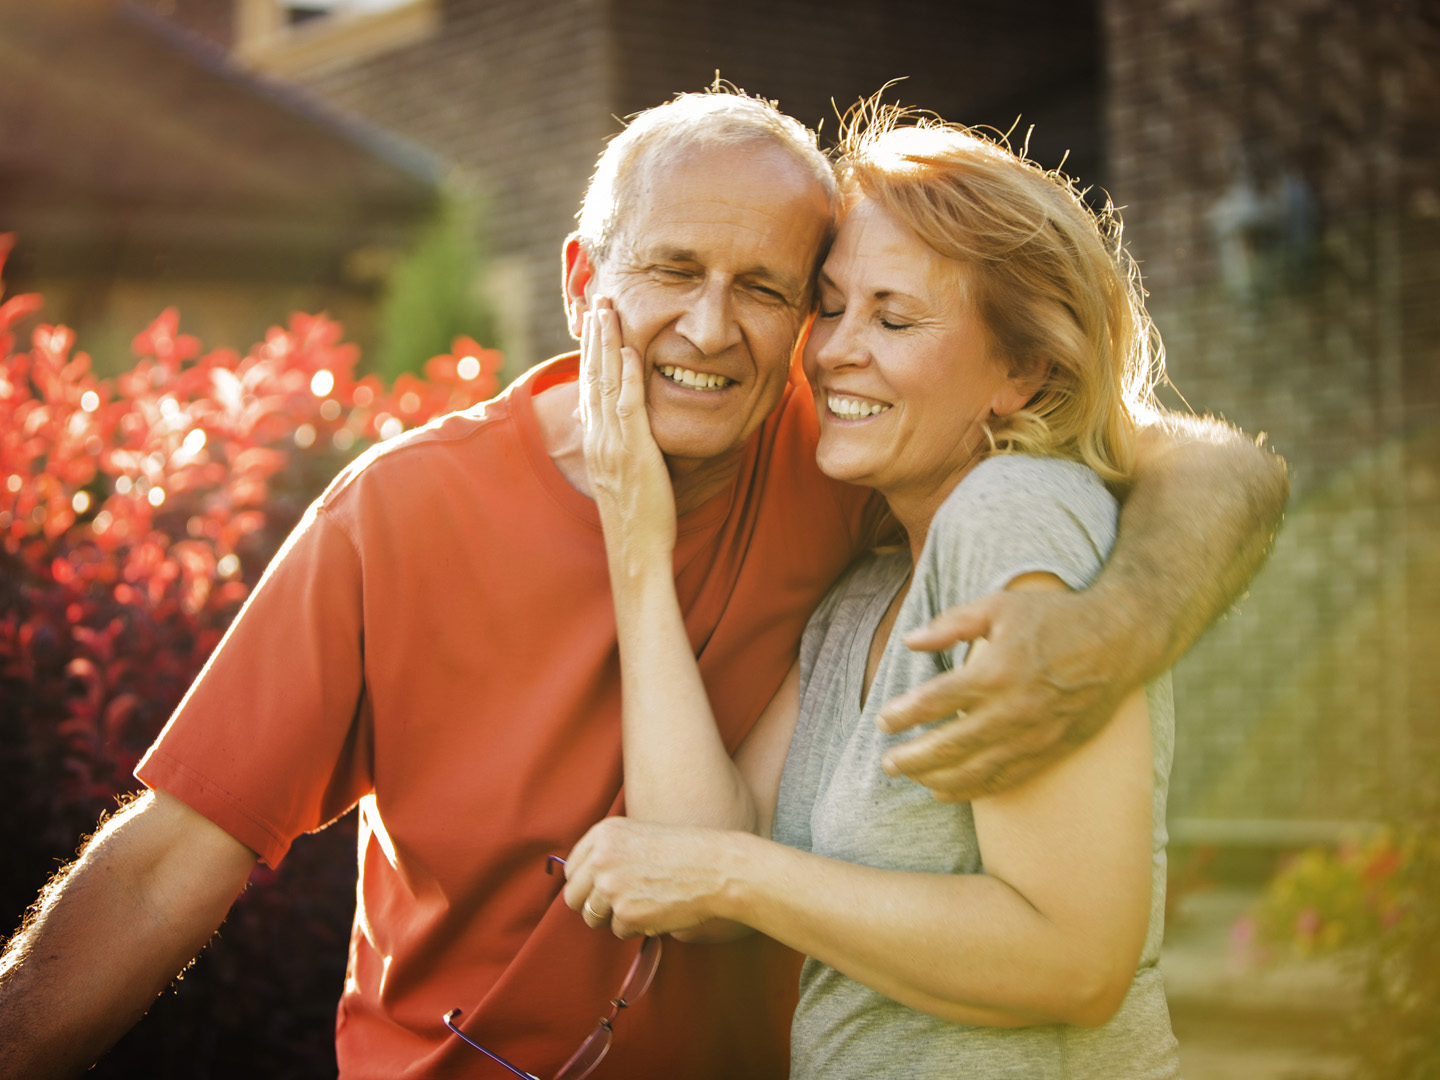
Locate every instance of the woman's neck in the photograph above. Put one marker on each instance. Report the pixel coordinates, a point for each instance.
(915, 508)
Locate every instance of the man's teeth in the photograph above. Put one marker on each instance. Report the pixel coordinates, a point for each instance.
(696, 380)
(848, 408)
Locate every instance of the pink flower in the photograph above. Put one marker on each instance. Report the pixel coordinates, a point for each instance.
(1307, 922)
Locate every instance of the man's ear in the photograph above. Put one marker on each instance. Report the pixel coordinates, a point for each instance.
(578, 272)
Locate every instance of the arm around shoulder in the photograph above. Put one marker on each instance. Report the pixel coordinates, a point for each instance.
(111, 931)
(1199, 519)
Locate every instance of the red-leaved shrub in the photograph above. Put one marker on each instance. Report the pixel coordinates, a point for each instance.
(136, 513)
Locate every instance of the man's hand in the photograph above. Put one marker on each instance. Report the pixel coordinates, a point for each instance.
(1196, 525)
(1039, 680)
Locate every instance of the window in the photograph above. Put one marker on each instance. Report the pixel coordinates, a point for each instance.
(293, 37)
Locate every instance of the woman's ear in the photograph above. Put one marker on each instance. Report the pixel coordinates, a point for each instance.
(1019, 389)
(577, 276)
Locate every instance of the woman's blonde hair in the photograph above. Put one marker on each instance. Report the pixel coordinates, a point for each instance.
(1052, 284)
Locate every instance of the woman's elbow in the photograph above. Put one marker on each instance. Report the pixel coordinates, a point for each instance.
(1094, 995)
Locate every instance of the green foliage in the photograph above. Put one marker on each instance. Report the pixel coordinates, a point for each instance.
(433, 294)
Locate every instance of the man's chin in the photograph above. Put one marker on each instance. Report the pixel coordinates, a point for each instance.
(690, 449)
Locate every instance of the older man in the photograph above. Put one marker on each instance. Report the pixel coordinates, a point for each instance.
(435, 643)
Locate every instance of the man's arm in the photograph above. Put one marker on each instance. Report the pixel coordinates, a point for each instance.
(111, 932)
(1195, 527)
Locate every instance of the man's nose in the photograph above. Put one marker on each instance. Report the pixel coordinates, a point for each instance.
(708, 321)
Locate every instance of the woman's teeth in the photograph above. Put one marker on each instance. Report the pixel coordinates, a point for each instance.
(848, 408)
(696, 380)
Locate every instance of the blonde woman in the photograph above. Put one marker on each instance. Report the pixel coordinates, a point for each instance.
(979, 357)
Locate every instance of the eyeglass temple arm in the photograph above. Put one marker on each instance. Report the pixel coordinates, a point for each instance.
(450, 1019)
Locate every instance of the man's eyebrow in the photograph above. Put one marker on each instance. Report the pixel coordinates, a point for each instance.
(785, 283)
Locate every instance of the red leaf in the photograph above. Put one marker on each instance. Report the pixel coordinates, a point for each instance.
(17, 307)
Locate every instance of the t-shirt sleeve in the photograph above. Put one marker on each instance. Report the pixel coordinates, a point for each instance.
(1016, 515)
(271, 739)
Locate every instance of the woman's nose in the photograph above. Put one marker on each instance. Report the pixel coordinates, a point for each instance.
(839, 343)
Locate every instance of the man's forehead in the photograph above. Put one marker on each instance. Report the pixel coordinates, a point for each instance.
(731, 199)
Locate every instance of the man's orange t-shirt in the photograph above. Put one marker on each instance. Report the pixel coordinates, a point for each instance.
(436, 641)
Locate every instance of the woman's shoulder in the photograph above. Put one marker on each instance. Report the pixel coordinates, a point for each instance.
(1014, 514)
(1009, 490)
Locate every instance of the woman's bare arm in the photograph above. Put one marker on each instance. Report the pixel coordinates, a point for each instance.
(1051, 932)
(677, 768)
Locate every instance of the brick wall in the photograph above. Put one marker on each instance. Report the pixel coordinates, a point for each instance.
(1278, 162)
(521, 95)
(522, 114)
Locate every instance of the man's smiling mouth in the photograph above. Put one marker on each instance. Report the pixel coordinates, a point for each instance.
(694, 380)
(849, 408)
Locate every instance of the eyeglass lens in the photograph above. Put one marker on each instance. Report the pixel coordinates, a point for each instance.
(642, 972)
(582, 1063)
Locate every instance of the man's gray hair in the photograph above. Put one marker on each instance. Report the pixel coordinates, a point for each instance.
(715, 119)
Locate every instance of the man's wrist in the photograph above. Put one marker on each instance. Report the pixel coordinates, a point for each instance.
(1136, 635)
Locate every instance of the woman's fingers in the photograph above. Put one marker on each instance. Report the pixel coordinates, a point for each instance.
(596, 914)
(630, 402)
(587, 372)
(609, 395)
(609, 350)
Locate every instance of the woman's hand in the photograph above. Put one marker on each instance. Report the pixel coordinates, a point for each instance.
(640, 877)
(626, 469)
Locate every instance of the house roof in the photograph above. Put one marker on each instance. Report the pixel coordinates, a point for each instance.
(121, 135)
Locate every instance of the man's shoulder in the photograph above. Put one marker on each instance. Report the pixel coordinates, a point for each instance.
(408, 458)
(427, 455)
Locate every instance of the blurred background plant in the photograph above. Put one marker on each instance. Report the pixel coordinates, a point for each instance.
(136, 514)
(1372, 902)
(1325, 899)
(434, 293)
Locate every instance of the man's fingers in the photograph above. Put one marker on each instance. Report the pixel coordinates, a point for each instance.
(951, 626)
(964, 759)
(986, 773)
(939, 698)
(950, 743)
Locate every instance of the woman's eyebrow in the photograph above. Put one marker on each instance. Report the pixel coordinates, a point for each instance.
(881, 293)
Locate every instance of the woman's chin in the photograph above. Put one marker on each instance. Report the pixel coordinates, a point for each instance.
(846, 468)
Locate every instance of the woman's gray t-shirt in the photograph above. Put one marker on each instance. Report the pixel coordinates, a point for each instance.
(1010, 516)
